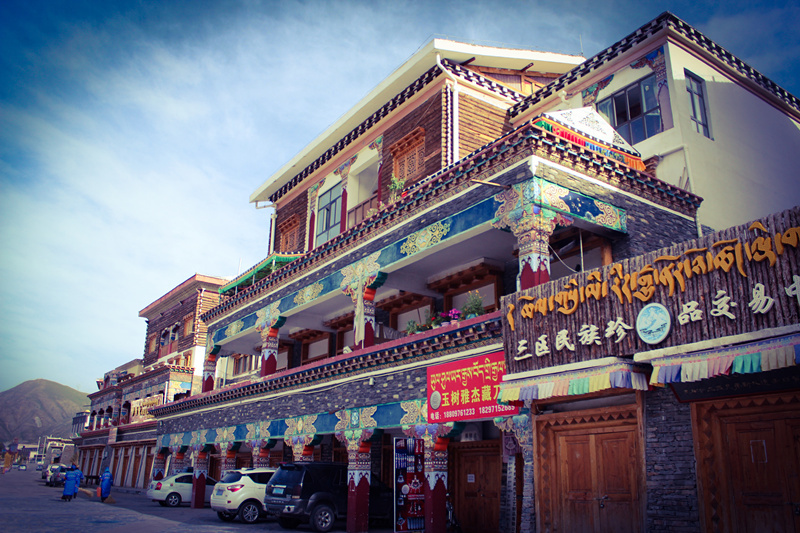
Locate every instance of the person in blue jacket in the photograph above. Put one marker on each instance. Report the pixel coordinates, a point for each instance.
(69, 485)
(78, 479)
(106, 481)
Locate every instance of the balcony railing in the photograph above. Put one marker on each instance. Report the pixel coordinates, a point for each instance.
(361, 211)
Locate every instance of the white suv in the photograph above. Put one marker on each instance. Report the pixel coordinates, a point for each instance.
(241, 492)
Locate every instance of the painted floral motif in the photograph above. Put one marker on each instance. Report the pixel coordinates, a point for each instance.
(358, 275)
(303, 425)
(611, 217)
(366, 417)
(307, 294)
(267, 316)
(199, 437)
(425, 238)
(234, 328)
(416, 412)
(377, 144)
(225, 434)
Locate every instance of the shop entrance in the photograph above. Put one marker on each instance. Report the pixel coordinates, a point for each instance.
(758, 441)
(589, 471)
(476, 471)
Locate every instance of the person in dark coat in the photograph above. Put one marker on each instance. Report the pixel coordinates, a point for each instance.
(106, 481)
(69, 485)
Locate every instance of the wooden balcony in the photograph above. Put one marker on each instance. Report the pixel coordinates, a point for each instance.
(361, 211)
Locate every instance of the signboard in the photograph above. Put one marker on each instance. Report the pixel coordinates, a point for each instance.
(735, 281)
(140, 409)
(409, 484)
(467, 389)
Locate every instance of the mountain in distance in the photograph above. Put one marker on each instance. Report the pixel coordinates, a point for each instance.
(39, 408)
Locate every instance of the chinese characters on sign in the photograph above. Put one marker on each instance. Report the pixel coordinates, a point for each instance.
(467, 389)
(715, 278)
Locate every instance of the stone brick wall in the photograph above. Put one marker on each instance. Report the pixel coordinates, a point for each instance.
(389, 388)
(672, 504)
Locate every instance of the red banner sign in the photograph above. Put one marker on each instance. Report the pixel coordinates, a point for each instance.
(467, 389)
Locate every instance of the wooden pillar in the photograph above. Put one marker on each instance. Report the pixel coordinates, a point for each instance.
(369, 317)
(159, 464)
(436, 484)
(199, 474)
(269, 353)
(522, 427)
(209, 372)
(358, 478)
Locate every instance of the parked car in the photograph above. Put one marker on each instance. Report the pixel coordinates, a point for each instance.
(23, 467)
(174, 490)
(56, 474)
(316, 493)
(241, 492)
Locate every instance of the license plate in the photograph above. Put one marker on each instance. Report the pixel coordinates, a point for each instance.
(277, 490)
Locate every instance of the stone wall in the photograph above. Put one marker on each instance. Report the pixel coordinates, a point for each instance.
(669, 465)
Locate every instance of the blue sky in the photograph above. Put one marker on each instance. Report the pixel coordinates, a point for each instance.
(133, 132)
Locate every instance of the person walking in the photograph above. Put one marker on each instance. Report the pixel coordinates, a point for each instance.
(69, 485)
(106, 481)
(78, 479)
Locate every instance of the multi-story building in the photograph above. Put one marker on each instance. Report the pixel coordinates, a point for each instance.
(473, 190)
(120, 432)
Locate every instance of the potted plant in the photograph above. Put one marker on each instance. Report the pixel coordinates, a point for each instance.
(395, 188)
(412, 327)
(473, 306)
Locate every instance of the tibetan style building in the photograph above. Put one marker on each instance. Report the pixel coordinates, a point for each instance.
(455, 298)
(121, 433)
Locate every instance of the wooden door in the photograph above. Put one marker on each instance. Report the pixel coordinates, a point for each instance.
(137, 459)
(763, 453)
(148, 466)
(477, 471)
(126, 455)
(597, 479)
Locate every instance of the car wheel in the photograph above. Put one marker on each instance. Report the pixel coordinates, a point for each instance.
(288, 523)
(173, 499)
(322, 518)
(225, 516)
(249, 512)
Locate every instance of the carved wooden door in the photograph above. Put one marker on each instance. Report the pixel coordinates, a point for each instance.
(477, 469)
(598, 480)
(763, 452)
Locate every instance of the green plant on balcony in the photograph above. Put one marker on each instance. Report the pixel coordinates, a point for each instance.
(473, 306)
(395, 187)
(412, 327)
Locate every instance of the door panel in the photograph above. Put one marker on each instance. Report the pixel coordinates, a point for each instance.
(598, 473)
(477, 469)
(762, 474)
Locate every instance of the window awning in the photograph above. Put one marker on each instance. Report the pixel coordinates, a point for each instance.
(741, 359)
(606, 373)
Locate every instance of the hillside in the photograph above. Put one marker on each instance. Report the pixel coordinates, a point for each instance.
(39, 408)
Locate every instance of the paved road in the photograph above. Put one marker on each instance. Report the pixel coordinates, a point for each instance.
(27, 504)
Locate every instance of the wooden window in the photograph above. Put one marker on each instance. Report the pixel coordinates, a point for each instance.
(151, 343)
(409, 156)
(188, 325)
(329, 214)
(634, 111)
(289, 235)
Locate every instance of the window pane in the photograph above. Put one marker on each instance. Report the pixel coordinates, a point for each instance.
(652, 122)
(635, 101)
(637, 131)
(625, 132)
(606, 110)
(649, 93)
(621, 108)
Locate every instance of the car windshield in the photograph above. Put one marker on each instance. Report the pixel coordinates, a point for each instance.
(232, 477)
(287, 476)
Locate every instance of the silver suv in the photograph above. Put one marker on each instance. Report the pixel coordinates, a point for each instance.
(241, 492)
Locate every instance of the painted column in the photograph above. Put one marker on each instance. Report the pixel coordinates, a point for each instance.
(359, 281)
(522, 212)
(359, 463)
(435, 441)
(159, 465)
(261, 454)
(177, 460)
(199, 475)
(209, 371)
(228, 455)
(343, 172)
(268, 324)
(521, 427)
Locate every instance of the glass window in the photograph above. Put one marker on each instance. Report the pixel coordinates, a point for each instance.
(329, 215)
(694, 86)
(634, 111)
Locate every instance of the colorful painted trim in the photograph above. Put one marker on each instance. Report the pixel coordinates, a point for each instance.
(744, 359)
(612, 376)
(590, 143)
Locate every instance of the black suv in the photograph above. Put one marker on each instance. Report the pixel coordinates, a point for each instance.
(317, 493)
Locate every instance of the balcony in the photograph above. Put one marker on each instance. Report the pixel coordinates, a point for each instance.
(362, 211)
